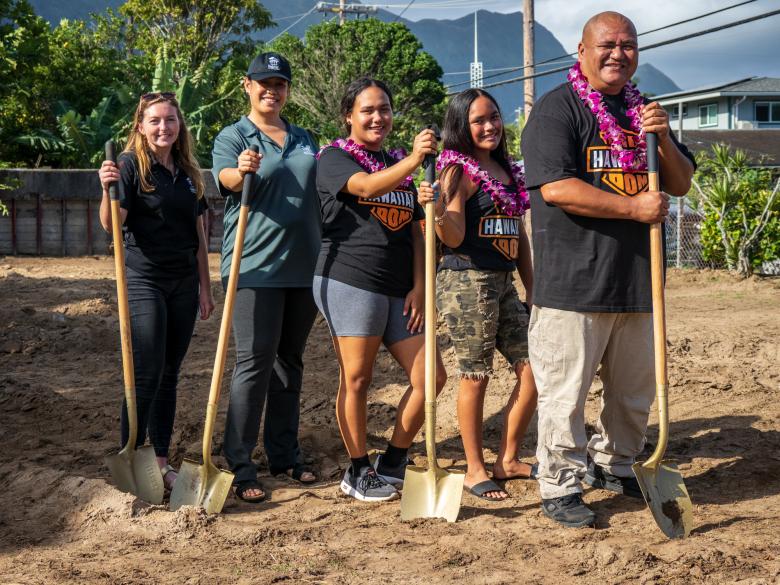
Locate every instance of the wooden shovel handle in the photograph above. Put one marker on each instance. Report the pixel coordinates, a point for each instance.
(659, 310)
(227, 315)
(115, 191)
(430, 319)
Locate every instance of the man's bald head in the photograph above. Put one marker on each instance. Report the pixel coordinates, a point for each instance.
(609, 17)
(608, 52)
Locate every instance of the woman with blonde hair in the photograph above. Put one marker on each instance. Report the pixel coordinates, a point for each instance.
(162, 199)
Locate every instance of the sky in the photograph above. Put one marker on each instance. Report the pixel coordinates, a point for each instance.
(743, 51)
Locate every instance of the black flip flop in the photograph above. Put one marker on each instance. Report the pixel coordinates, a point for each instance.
(486, 486)
(295, 472)
(244, 486)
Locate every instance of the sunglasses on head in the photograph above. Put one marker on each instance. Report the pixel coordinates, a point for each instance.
(166, 95)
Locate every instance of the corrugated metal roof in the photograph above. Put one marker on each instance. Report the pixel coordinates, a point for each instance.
(761, 146)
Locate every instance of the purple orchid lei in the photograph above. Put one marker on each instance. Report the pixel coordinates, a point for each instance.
(509, 202)
(629, 160)
(366, 161)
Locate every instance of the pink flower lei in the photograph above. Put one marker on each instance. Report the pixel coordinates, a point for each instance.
(366, 161)
(629, 160)
(509, 202)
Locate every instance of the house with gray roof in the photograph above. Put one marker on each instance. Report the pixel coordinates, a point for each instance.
(744, 114)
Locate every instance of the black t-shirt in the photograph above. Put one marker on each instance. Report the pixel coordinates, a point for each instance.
(582, 263)
(161, 237)
(491, 239)
(366, 243)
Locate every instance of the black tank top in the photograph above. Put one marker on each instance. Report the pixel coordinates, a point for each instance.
(491, 239)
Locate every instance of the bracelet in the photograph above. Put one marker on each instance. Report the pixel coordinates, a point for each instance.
(439, 220)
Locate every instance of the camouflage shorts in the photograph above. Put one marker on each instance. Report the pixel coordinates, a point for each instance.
(483, 313)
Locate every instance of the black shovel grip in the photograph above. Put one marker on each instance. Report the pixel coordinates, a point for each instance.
(246, 190)
(652, 152)
(429, 164)
(111, 155)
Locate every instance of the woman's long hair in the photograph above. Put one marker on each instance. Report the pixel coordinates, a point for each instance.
(456, 134)
(182, 151)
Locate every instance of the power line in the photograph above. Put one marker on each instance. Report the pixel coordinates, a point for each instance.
(647, 48)
(400, 14)
(559, 57)
(304, 15)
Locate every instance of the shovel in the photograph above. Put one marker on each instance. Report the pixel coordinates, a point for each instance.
(134, 471)
(433, 492)
(661, 482)
(206, 485)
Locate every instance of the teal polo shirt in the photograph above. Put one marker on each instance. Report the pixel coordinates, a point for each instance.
(282, 238)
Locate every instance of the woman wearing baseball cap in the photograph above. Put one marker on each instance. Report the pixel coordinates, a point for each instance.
(274, 309)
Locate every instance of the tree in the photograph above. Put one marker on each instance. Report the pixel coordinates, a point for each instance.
(23, 49)
(742, 209)
(208, 96)
(330, 56)
(194, 30)
(48, 72)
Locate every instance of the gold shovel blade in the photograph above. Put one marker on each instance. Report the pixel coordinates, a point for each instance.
(135, 471)
(201, 485)
(431, 493)
(666, 496)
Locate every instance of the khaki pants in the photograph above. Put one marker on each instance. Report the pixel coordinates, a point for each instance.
(565, 348)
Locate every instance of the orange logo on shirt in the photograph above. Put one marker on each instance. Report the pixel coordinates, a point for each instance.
(602, 160)
(393, 210)
(503, 231)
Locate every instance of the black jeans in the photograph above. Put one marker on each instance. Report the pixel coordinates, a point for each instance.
(270, 327)
(162, 318)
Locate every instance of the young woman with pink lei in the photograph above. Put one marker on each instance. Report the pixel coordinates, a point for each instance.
(478, 220)
(369, 279)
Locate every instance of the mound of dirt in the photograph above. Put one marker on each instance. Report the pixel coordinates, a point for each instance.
(61, 520)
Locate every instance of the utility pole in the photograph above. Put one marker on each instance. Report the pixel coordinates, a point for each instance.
(475, 70)
(342, 9)
(528, 55)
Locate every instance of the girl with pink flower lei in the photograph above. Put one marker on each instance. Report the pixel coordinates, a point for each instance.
(478, 220)
(369, 279)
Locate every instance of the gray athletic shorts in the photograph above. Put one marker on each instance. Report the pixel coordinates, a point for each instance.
(354, 312)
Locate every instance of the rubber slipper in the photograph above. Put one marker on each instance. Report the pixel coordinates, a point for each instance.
(534, 470)
(244, 486)
(296, 472)
(485, 487)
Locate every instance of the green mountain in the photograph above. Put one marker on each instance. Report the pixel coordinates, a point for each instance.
(450, 41)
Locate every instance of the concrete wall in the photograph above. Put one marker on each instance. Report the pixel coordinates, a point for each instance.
(55, 213)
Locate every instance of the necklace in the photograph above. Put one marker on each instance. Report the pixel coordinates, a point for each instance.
(614, 137)
(510, 202)
(369, 163)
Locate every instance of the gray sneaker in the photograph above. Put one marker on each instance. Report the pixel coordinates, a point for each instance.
(392, 475)
(569, 511)
(367, 486)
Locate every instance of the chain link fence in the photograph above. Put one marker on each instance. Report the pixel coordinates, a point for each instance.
(683, 236)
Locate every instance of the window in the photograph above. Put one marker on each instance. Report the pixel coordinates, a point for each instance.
(708, 115)
(674, 108)
(768, 112)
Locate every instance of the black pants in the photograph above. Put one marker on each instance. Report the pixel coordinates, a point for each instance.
(162, 318)
(270, 327)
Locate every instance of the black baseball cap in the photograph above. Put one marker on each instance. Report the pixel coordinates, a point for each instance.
(267, 65)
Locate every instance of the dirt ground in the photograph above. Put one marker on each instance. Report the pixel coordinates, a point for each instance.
(61, 521)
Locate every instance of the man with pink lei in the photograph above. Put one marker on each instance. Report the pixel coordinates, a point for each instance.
(586, 170)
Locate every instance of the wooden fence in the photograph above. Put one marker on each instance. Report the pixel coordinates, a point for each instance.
(55, 213)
